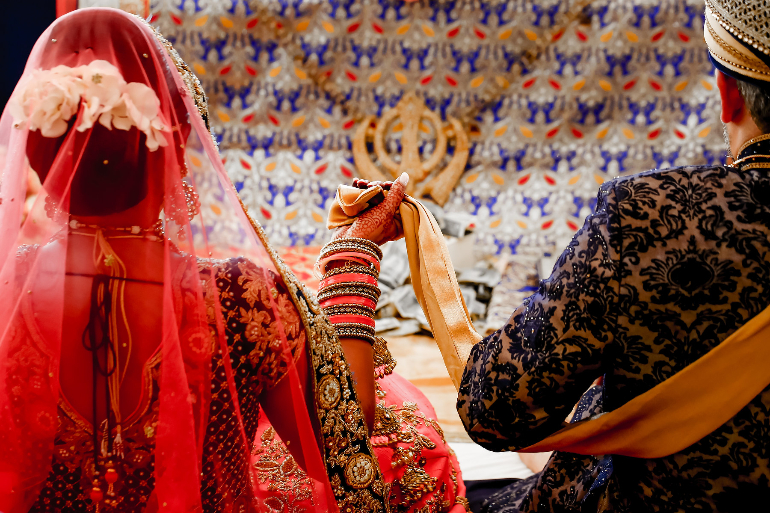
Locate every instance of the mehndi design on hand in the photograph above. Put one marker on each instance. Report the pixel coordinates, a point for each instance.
(379, 223)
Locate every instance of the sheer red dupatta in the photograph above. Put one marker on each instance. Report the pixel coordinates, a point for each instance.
(110, 166)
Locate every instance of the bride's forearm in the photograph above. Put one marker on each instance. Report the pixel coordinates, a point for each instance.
(360, 357)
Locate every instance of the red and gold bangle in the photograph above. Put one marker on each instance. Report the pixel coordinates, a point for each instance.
(347, 249)
(348, 294)
(355, 284)
(355, 288)
(348, 300)
(352, 319)
(350, 326)
(348, 310)
(367, 337)
(348, 278)
(355, 330)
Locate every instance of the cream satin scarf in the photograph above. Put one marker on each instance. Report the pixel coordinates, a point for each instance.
(667, 419)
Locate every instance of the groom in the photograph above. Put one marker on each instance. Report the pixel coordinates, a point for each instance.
(670, 264)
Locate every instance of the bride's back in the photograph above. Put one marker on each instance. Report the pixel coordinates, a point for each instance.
(141, 322)
(138, 340)
(95, 314)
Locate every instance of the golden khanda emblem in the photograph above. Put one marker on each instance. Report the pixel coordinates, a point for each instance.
(410, 111)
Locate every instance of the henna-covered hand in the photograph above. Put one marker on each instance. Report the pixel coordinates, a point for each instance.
(379, 223)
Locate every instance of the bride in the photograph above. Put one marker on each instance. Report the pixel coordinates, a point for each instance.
(144, 325)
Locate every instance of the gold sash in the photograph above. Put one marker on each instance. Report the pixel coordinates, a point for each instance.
(664, 420)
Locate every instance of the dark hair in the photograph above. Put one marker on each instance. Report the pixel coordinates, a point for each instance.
(757, 100)
(111, 174)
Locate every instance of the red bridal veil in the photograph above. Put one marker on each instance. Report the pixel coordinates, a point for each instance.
(113, 123)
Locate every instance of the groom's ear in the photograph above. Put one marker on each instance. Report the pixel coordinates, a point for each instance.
(733, 105)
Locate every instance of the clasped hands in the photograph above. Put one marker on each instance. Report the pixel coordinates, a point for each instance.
(379, 223)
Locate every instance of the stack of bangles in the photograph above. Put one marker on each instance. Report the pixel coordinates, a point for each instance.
(348, 294)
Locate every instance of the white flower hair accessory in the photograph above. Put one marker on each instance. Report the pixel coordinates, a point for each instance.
(50, 98)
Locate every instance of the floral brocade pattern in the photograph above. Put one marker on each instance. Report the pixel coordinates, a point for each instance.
(669, 265)
(257, 362)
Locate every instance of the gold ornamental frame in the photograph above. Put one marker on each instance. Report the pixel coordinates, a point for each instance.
(411, 110)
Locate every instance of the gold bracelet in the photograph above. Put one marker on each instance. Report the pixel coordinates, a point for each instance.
(355, 325)
(330, 250)
(354, 330)
(352, 267)
(349, 309)
(352, 288)
(335, 286)
(348, 291)
(364, 244)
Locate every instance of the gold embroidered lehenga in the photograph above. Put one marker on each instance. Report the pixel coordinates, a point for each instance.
(189, 322)
(414, 457)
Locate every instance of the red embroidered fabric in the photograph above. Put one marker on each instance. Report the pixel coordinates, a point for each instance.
(138, 345)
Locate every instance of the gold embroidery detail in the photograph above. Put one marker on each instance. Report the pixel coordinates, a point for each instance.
(758, 165)
(758, 66)
(276, 466)
(399, 426)
(360, 470)
(759, 138)
(329, 392)
(384, 363)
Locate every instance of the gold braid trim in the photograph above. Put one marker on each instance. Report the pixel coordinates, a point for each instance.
(749, 63)
(758, 165)
(759, 138)
(352, 467)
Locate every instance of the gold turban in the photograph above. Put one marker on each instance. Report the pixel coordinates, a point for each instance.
(737, 38)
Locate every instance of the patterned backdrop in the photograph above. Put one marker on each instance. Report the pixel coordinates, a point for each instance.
(557, 96)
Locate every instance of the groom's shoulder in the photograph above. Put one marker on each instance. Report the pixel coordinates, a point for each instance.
(659, 180)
